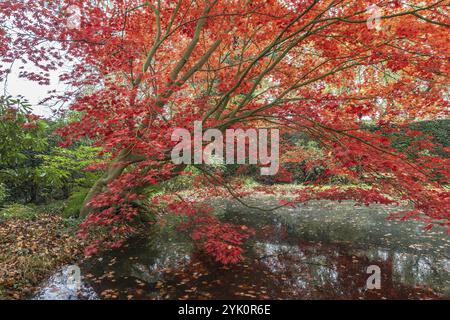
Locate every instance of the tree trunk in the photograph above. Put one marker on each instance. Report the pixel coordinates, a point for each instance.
(115, 169)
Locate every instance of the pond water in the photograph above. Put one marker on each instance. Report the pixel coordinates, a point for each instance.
(319, 250)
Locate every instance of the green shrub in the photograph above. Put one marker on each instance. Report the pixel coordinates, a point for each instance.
(18, 211)
(53, 208)
(439, 130)
(181, 182)
(74, 203)
(3, 194)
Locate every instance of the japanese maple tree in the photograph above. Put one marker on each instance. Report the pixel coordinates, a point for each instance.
(140, 69)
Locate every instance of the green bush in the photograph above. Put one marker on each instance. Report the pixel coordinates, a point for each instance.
(439, 130)
(74, 203)
(18, 211)
(3, 194)
(180, 182)
(53, 208)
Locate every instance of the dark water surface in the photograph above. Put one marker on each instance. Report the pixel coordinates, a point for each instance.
(320, 250)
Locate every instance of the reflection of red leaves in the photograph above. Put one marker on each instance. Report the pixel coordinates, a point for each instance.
(220, 240)
(223, 252)
(223, 241)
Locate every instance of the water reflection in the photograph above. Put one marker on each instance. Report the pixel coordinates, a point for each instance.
(330, 272)
(318, 251)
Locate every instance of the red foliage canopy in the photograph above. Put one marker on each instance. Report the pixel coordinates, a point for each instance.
(143, 68)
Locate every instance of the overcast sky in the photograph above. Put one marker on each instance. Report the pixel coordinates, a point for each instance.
(31, 90)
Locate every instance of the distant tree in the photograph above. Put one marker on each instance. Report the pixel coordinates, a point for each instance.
(32, 167)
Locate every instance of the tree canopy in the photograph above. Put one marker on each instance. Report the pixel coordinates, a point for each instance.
(140, 69)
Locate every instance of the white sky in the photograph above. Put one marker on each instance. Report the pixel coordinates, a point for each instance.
(31, 90)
